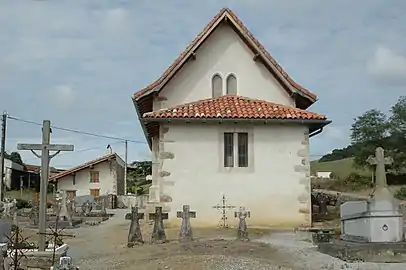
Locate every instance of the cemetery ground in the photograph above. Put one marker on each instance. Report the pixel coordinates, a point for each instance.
(105, 247)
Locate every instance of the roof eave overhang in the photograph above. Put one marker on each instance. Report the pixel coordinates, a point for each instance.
(313, 124)
(144, 130)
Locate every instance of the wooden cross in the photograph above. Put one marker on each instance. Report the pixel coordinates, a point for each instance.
(379, 160)
(224, 207)
(45, 157)
(158, 233)
(185, 229)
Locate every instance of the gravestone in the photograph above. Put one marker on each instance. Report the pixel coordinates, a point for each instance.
(185, 229)
(158, 233)
(64, 214)
(377, 220)
(135, 235)
(5, 231)
(86, 208)
(34, 213)
(242, 231)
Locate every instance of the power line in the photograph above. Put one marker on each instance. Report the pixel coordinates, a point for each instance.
(75, 130)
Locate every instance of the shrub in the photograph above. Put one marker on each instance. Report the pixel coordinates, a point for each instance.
(357, 181)
(22, 204)
(401, 194)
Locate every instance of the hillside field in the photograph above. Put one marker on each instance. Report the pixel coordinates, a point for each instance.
(342, 168)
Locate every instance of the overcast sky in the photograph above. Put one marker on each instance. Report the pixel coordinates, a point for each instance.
(78, 62)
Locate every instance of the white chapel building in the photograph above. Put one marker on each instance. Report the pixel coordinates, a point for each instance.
(226, 119)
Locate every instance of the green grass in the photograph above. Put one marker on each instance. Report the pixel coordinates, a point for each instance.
(342, 168)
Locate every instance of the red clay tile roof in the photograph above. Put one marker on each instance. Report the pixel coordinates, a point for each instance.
(83, 166)
(155, 86)
(234, 107)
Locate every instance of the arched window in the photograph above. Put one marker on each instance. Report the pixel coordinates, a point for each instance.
(231, 85)
(217, 85)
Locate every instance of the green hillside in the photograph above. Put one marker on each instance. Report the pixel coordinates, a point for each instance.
(342, 168)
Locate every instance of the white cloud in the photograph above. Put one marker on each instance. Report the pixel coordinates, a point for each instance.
(388, 66)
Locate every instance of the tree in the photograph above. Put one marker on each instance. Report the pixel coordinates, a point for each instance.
(15, 157)
(370, 130)
(398, 134)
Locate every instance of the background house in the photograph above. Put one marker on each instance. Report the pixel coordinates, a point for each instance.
(101, 176)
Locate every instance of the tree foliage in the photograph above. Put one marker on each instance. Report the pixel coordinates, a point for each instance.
(373, 129)
(137, 182)
(15, 157)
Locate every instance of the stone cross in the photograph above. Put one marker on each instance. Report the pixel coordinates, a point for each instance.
(64, 214)
(186, 230)
(34, 213)
(380, 161)
(158, 234)
(135, 235)
(86, 208)
(242, 231)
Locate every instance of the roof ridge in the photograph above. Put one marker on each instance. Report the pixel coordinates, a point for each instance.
(201, 35)
(81, 166)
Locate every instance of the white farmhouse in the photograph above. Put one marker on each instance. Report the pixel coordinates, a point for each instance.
(225, 118)
(101, 176)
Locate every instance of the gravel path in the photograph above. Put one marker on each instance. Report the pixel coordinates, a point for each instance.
(305, 253)
(104, 247)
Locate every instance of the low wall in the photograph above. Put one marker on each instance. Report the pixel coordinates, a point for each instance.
(132, 200)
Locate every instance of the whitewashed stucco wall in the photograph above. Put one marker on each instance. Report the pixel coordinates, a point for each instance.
(107, 176)
(223, 53)
(275, 188)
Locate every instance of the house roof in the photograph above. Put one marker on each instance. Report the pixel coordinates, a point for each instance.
(242, 30)
(83, 166)
(233, 107)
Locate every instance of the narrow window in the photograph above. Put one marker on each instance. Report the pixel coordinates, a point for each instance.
(228, 149)
(217, 85)
(95, 192)
(231, 85)
(242, 149)
(94, 177)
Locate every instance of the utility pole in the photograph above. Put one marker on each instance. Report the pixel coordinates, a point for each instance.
(125, 167)
(45, 147)
(3, 152)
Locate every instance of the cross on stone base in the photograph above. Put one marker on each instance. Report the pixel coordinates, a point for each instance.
(158, 233)
(381, 184)
(242, 231)
(135, 235)
(185, 229)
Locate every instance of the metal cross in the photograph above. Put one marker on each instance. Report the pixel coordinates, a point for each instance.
(380, 161)
(18, 244)
(224, 207)
(45, 157)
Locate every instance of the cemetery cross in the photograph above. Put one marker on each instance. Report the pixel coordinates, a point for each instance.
(242, 231)
(185, 233)
(135, 235)
(45, 147)
(158, 234)
(224, 207)
(380, 161)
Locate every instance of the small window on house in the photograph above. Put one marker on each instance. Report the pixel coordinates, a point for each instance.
(231, 85)
(94, 177)
(236, 144)
(217, 85)
(242, 149)
(228, 149)
(95, 192)
(71, 194)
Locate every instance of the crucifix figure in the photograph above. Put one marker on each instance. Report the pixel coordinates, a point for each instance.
(186, 230)
(135, 235)
(45, 157)
(242, 231)
(158, 233)
(379, 160)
